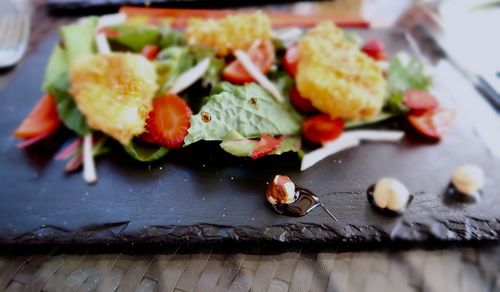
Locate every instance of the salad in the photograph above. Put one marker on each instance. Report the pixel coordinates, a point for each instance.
(152, 88)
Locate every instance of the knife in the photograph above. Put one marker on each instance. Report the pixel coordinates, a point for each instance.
(481, 85)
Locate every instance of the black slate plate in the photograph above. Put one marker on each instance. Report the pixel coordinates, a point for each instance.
(201, 195)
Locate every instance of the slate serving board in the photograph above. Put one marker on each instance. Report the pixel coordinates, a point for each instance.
(200, 195)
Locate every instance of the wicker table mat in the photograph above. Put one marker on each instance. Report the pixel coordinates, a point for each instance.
(463, 269)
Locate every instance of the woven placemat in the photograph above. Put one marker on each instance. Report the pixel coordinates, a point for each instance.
(465, 269)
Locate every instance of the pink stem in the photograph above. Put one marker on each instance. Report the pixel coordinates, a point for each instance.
(69, 150)
(31, 141)
(74, 163)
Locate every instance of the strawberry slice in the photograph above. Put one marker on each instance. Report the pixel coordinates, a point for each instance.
(419, 100)
(321, 128)
(150, 52)
(291, 60)
(265, 146)
(375, 49)
(302, 104)
(168, 122)
(42, 119)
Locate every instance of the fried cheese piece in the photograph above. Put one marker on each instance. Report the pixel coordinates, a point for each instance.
(234, 32)
(114, 92)
(337, 77)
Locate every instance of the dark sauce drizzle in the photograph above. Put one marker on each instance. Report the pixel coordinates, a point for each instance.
(305, 201)
(385, 211)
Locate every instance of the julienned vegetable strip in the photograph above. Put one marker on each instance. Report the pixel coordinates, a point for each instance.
(89, 172)
(111, 19)
(257, 75)
(348, 140)
(102, 44)
(278, 19)
(190, 76)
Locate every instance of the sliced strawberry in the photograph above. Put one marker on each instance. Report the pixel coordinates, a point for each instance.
(321, 128)
(150, 52)
(265, 146)
(168, 122)
(147, 137)
(42, 119)
(291, 60)
(375, 49)
(302, 104)
(418, 100)
(433, 123)
(262, 55)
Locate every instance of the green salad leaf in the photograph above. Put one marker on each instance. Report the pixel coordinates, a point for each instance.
(144, 152)
(67, 110)
(171, 38)
(237, 145)
(171, 63)
(247, 109)
(404, 73)
(79, 38)
(213, 73)
(135, 36)
(57, 66)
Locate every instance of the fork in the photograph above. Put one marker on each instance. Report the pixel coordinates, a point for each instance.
(14, 34)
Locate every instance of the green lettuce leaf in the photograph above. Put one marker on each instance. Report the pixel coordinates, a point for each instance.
(135, 36)
(172, 62)
(237, 145)
(79, 38)
(247, 109)
(144, 152)
(215, 67)
(171, 38)
(404, 73)
(57, 66)
(67, 110)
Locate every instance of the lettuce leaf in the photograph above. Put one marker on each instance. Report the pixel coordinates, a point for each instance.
(213, 73)
(237, 145)
(144, 152)
(67, 110)
(135, 36)
(247, 109)
(172, 62)
(404, 73)
(57, 66)
(171, 38)
(79, 38)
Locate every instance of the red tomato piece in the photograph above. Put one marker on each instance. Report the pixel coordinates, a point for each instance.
(302, 104)
(418, 100)
(42, 119)
(261, 55)
(432, 123)
(265, 145)
(291, 60)
(321, 128)
(169, 121)
(375, 49)
(150, 52)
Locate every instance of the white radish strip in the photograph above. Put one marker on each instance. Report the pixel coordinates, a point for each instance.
(102, 44)
(89, 172)
(111, 19)
(328, 149)
(257, 75)
(375, 135)
(190, 76)
(289, 36)
(384, 65)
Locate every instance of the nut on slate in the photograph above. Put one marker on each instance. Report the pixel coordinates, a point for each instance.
(281, 190)
(468, 179)
(391, 194)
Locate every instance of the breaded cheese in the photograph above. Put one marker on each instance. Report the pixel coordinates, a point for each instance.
(337, 77)
(114, 92)
(231, 33)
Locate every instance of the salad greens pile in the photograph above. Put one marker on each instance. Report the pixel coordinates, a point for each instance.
(242, 117)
